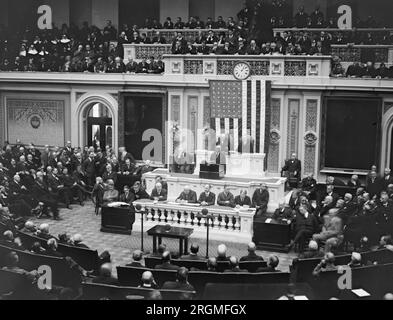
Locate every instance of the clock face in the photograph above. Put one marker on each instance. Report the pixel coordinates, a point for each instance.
(241, 71)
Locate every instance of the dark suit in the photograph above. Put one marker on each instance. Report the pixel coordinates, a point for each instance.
(106, 280)
(260, 199)
(386, 180)
(126, 198)
(251, 257)
(293, 166)
(135, 264)
(374, 186)
(246, 201)
(284, 213)
(109, 176)
(175, 285)
(222, 198)
(194, 257)
(162, 196)
(89, 168)
(166, 266)
(191, 197)
(41, 193)
(384, 219)
(210, 199)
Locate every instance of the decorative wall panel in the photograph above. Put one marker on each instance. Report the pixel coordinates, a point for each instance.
(32, 120)
(310, 136)
(293, 126)
(273, 156)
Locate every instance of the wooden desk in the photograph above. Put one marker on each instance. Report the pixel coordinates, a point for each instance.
(117, 220)
(162, 231)
(273, 236)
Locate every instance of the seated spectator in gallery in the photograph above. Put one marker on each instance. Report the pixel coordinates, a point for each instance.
(207, 198)
(243, 199)
(9, 241)
(159, 193)
(109, 174)
(260, 200)
(383, 71)
(181, 282)
(355, 70)
(29, 227)
(163, 183)
(126, 196)
(147, 281)
(234, 265)
(43, 232)
(332, 232)
(356, 260)
(326, 264)
(253, 49)
(212, 264)
(226, 198)
(354, 182)
(110, 194)
(251, 256)
(106, 276)
(305, 226)
(187, 196)
(222, 253)
(272, 265)
(166, 262)
(137, 256)
(283, 213)
(312, 251)
(194, 249)
(138, 192)
(308, 185)
(77, 241)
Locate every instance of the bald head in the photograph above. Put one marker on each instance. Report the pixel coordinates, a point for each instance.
(44, 228)
(313, 245)
(212, 263)
(222, 250)
(388, 296)
(166, 256)
(29, 225)
(251, 247)
(8, 235)
(356, 257)
(233, 261)
(329, 257)
(106, 270)
(147, 277)
(77, 238)
(137, 255)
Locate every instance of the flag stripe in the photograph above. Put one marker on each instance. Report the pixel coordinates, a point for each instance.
(258, 115)
(248, 108)
(253, 111)
(243, 132)
(262, 117)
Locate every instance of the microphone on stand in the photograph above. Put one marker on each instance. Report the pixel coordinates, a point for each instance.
(139, 209)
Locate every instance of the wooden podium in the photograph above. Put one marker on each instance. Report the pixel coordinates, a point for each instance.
(212, 171)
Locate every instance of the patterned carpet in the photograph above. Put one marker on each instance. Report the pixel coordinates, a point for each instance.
(83, 220)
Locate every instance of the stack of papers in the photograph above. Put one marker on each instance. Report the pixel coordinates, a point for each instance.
(361, 293)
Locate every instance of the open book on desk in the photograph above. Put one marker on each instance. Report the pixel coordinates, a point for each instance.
(186, 204)
(117, 204)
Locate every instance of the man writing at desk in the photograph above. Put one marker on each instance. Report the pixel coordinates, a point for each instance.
(158, 193)
(207, 198)
(187, 196)
(226, 198)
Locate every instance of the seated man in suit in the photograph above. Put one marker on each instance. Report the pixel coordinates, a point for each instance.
(9, 241)
(211, 264)
(166, 262)
(207, 198)
(137, 256)
(187, 196)
(242, 199)
(283, 213)
(139, 192)
(226, 198)
(234, 265)
(127, 168)
(272, 264)
(252, 256)
(109, 174)
(159, 193)
(260, 200)
(106, 276)
(308, 185)
(111, 194)
(181, 282)
(193, 253)
(126, 196)
(77, 241)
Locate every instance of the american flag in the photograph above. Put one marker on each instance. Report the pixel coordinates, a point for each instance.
(240, 112)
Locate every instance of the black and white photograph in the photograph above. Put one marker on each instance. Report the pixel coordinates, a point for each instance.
(191, 157)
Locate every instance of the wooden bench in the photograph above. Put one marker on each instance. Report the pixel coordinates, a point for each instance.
(94, 291)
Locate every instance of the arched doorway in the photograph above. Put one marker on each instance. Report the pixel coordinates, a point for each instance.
(97, 126)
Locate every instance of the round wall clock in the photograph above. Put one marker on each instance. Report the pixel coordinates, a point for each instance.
(242, 70)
